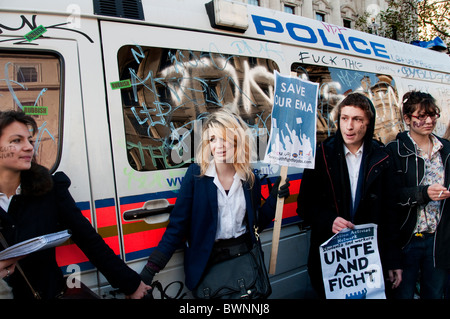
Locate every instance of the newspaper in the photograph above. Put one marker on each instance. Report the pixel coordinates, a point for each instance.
(34, 244)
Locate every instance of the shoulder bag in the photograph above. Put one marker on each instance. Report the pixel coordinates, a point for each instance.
(244, 276)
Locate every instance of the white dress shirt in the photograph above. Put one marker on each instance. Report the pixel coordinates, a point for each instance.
(230, 221)
(353, 165)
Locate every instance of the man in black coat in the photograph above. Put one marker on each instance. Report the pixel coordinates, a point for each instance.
(350, 185)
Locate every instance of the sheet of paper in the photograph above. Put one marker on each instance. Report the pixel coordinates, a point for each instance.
(35, 244)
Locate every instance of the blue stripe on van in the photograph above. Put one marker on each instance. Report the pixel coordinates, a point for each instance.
(84, 205)
(145, 197)
(108, 202)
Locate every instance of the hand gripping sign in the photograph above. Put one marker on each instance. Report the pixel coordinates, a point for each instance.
(292, 140)
(351, 266)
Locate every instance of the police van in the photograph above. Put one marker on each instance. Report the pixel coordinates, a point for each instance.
(119, 90)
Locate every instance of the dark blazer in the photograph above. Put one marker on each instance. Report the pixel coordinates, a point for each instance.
(31, 215)
(194, 221)
(409, 170)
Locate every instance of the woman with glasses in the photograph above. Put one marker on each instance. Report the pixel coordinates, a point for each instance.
(421, 161)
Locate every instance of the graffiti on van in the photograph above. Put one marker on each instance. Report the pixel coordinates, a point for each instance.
(413, 73)
(173, 90)
(336, 83)
(26, 26)
(331, 60)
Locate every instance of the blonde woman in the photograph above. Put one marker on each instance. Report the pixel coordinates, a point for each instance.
(215, 205)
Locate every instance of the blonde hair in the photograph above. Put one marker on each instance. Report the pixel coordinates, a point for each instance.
(230, 126)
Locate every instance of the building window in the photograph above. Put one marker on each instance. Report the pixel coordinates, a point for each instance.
(347, 23)
(253, 2)
(27, 74)
(289, 9)
(320, 16)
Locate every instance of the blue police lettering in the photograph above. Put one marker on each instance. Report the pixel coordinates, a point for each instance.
(306, 34)
(291, 30)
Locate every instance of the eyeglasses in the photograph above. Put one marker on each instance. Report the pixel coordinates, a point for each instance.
(423, 117)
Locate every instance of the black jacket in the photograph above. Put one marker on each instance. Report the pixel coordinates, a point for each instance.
(325, 195)
(409, 171)
(31, 215)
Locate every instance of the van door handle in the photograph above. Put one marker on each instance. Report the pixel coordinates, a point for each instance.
(153, 211)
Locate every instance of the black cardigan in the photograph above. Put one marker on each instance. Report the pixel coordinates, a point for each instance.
(30, 215)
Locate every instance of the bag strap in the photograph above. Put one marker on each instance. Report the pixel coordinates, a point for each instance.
(255, 215)
(163, 291)
(5, 245)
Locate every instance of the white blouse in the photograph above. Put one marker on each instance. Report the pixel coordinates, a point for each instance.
(230, 221)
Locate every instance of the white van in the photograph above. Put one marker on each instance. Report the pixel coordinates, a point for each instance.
(118, 88)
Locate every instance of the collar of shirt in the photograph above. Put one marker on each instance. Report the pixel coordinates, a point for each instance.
(437, 145)
(358, 152)
(211, 172)
(5, 200)
(231, 206)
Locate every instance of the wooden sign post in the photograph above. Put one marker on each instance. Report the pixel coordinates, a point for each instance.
(292, 137)
(277, 224)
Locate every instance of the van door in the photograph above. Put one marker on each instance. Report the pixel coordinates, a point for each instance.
(160, 85)
(42, 77)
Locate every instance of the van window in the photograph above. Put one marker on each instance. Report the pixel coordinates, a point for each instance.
(32, 82)
(172, 91)
(336, 83)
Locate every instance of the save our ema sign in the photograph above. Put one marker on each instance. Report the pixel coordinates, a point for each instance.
(292, 140)
(293, 130)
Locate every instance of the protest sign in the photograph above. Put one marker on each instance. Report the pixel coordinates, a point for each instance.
(292, 140)
(351, 266)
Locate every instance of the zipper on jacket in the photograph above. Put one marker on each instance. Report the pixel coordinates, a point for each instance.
(411, 235)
